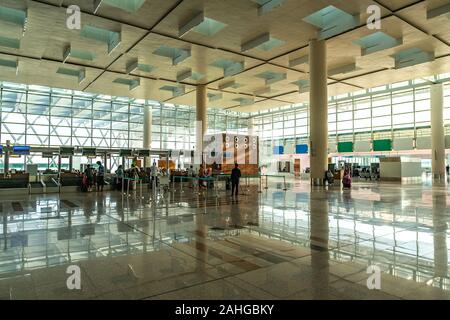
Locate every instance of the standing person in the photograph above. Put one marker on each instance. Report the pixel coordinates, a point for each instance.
(235, 177)
(347, 180)
(89, 177)
(201, 174)
(100, 176)
(119, 177)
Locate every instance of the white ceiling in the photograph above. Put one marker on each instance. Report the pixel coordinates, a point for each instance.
(157, 22)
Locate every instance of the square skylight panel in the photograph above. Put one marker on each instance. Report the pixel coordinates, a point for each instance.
(377, 41)
(129, 6)
(209, 27)
(271, 77)
(263, 42)
(332, 21)
(175, 54)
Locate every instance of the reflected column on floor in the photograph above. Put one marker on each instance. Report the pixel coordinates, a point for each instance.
(440, 235)
(201, 248)
(319, 232)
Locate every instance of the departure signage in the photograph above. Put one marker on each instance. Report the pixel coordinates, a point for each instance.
(21, 150)
(66, 151)
(301, 149)
(47, 155)
(126, 152)
(144, 153)
(89, 152)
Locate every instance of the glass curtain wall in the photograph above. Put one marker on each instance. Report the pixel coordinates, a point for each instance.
(49, 117)
(387, 112)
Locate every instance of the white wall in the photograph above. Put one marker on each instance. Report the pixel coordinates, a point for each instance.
(411, 169)
(390, 170)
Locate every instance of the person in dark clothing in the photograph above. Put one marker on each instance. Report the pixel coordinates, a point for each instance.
(100, 176)
(89, 177)
(235, 177)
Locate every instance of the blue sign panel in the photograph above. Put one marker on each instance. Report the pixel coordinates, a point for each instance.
(1, 149)
(301, 149)
(21, 150)
(278, 150)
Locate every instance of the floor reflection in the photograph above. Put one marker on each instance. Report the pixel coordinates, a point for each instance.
(300, 244)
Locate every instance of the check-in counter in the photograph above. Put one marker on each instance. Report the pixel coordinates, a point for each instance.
(13, 184)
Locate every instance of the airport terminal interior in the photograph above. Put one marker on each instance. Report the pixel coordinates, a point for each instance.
(238, 149)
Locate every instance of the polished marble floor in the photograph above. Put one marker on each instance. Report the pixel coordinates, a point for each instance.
(302, 243)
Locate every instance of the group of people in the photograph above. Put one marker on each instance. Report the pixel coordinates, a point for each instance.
(93, 178)
(346, 179)
(206, 173)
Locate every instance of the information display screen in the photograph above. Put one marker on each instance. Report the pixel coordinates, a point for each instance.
(21, 150)
(66, 151)
(144, 153)
(89, 152)
(126, 152)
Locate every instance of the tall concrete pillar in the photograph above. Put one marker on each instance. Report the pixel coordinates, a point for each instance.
(318, 102)
(202, 122)
(437, 132)
(147, 141)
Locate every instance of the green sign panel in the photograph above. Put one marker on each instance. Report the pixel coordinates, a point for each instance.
(382, 145)
(345, 146)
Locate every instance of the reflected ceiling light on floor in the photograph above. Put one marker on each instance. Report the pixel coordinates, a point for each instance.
(263, 42)
(267, 5)
(201, 24)
(129, 6)
(439, 11)
(110, 37)
(10, 64)
(411, 57)
(79, 74)
(332, 21)
(377, 41)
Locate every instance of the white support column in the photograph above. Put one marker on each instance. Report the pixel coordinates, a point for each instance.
(202, 122)
(437, 132)
(318, 97)
(147, 141)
